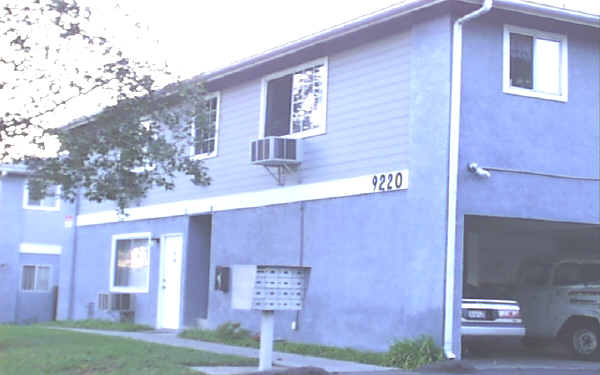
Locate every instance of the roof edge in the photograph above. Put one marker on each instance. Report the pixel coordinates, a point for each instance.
(521, 6)
(544, 10)
(328, 34)
(13, 169)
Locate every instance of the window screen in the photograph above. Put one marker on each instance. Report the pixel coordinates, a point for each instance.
(521, 61)
(277, 117)
(295, 102)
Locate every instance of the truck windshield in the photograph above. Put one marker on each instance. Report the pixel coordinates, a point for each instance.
(577, 273)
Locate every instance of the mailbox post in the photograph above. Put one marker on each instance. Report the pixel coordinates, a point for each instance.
(268, 288)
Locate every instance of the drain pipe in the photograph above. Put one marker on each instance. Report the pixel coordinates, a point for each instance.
(455, 99)
(71, 309)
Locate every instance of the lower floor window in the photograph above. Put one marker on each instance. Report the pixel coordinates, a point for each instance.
(35, 278)
(130, 264)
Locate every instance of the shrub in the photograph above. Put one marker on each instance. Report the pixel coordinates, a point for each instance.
(412, 354)
(232, 331)
(406, 354)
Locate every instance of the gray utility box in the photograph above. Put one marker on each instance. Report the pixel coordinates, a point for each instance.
(266, 287)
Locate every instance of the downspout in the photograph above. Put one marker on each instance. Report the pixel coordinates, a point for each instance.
(296, 322)
(71, 310)
(455, 101)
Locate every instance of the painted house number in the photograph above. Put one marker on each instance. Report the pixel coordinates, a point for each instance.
(388, 181)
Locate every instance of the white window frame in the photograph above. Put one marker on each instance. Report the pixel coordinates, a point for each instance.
(263, 98)
(564, 64)
(206, 155)
(145, 122)
(35, 278)
(113, 253)
(27, 206)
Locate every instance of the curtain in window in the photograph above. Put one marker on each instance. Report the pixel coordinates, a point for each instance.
(521, 61)
(28, 278)
(131, 263)
(307, 99)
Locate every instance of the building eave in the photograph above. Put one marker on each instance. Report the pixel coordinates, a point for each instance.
(11, 169)
(387, 14)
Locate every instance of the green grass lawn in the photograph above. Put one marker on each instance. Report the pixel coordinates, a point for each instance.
(408, 354)
(345, 354)
(37, 350)
(99, 324)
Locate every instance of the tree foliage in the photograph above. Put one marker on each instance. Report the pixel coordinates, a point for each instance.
(52, 56)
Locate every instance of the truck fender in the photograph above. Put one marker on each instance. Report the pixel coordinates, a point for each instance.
(573, 321)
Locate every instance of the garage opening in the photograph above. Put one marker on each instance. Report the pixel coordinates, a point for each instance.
(542, 276)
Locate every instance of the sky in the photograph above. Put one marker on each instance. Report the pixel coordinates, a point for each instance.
(198, 36)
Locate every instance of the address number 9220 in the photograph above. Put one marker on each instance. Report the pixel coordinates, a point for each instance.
(389, 181)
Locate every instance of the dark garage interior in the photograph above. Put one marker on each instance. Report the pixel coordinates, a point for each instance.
(516, 259)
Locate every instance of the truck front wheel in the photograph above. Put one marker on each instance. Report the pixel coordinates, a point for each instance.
(584, 341)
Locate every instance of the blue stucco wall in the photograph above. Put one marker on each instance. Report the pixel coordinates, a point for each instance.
(370, 92)
(516, 132)
(527, 134)
(21, 225)
(377, 260)
(376, 257)
(376, 273)
(92, 269)
(38, 306)
(10, 206)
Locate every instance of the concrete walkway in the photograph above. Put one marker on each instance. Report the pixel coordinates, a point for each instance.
(524, 365)
(279, 359)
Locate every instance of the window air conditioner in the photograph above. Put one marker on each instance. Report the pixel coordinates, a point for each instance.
(115, 301)
(276, 151)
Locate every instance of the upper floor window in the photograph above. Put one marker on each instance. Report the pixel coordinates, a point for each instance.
(148, 166)
(294, 101)
(535, 63)
(205, 129)
(130, 263)
(50, 202)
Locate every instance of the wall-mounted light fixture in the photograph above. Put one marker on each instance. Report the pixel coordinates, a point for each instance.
(476, 169)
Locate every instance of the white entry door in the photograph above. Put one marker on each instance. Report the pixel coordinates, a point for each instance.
(169, 286)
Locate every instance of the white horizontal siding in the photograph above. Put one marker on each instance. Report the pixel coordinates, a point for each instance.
(367, 127)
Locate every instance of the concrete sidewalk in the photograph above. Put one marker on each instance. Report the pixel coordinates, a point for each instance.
(279, 359)
(506, 366)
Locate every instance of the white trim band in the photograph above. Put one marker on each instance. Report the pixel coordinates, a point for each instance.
(321, 190)
(38, 248)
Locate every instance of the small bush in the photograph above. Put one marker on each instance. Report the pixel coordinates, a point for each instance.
(412, 354)
(232, 331)
(406, 354)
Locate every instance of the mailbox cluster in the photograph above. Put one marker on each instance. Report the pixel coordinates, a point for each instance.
(268, 288)
(264, 287)
(280, 288)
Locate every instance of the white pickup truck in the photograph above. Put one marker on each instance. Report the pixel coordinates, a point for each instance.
(561, 300)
